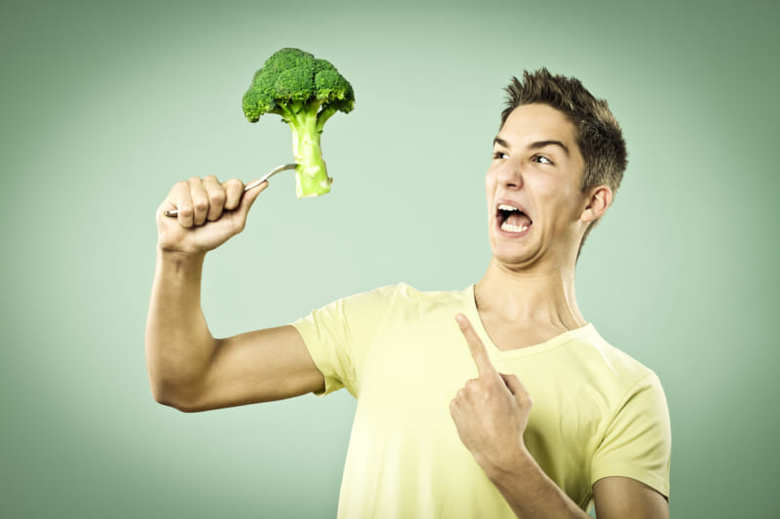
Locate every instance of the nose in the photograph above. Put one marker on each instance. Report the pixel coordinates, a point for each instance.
(510, 174)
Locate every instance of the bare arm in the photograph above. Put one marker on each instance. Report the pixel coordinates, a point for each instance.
(188, 368)
(258, 366)
(192, 371)
(179, 346)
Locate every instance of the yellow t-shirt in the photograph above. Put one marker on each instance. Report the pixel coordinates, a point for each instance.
(399, 351)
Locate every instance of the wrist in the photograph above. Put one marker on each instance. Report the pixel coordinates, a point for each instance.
(177, 263)
(516, 461)
(180, 256)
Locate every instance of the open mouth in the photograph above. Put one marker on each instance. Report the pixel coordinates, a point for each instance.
(513, 222)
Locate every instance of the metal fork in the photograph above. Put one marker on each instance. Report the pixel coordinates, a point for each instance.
(175, 212)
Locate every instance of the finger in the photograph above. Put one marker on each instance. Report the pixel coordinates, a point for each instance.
(249, 198)
(233, 190)
(478, 351)
(200, 200)
(258, 187)
(512, 382)
(216, 195)
(180, 195)
(454, 409)
(166, 205)
(516, 387)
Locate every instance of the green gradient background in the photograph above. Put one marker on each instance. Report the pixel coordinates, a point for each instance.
(106, 105)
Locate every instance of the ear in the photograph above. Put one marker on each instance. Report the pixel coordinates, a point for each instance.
(599, 199)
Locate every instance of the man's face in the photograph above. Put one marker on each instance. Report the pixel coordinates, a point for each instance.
(542, 178)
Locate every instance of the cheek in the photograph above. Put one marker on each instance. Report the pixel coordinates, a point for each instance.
(490, 180)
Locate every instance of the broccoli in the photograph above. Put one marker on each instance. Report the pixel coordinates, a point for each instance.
(305, 92)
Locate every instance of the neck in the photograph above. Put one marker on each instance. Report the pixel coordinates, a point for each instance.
(542, 297)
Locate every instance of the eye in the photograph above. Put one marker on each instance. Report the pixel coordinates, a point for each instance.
(543, 157)
(497, 155)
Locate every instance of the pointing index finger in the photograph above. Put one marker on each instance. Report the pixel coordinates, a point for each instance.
(478, 351)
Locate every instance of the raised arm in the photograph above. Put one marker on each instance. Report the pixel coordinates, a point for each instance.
(188, 368)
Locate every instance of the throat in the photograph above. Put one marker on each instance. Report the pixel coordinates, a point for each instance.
(507, 335)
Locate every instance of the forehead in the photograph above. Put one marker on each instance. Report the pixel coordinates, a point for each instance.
(536, 120)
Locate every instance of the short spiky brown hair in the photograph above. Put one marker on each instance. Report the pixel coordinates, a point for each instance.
(598, 133)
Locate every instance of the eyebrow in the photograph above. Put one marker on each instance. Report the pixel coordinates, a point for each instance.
(533, 145)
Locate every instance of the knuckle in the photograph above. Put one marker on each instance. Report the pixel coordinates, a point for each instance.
(201, 205)
(217, 197)
(233, 183)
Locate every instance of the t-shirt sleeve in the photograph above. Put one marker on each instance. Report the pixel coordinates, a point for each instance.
(338, 334)
(637, 442)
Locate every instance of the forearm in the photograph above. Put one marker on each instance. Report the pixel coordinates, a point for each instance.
(179, 345)
(530, 492)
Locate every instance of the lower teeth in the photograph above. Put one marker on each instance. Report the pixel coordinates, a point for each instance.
(513, 228)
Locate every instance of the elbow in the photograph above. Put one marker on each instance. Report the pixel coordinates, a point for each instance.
(164, 394)
(179, 406)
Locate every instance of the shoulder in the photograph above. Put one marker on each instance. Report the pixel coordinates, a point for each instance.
(378, 302)
(380, 294)
(617, 373)
(403, 292)
(405, 302)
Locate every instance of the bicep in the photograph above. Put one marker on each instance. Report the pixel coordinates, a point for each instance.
(258, 366)
(617, 497)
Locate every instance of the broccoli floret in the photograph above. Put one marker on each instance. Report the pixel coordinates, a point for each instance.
(305, 92)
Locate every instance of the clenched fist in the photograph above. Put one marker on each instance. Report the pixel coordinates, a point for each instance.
(210, 212)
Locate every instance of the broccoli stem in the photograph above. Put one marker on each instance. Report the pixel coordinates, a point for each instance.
(324, 115)
(311, 177)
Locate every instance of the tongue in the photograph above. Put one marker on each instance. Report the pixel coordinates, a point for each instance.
(518, 219)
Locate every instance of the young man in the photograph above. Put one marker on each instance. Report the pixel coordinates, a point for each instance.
(522, 409)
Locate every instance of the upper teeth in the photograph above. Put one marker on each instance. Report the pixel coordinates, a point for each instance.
(505, 207)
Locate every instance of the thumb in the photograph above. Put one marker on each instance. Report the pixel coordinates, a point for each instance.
(248, 198)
